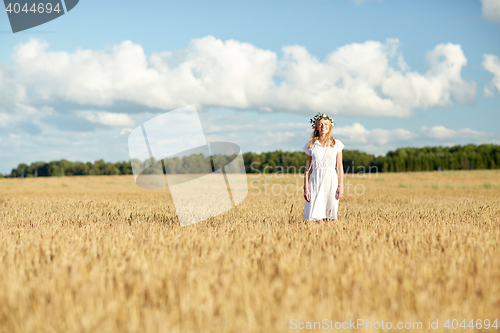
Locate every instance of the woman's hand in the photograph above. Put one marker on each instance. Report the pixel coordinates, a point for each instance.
(307, 194)
(340, 192)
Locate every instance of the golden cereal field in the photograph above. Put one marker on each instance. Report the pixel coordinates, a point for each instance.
(99, 254)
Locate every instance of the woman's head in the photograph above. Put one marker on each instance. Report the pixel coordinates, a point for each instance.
(322, 127)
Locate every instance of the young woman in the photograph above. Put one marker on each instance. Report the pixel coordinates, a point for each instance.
(325, 186)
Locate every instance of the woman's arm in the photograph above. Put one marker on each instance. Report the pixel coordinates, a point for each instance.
(340, 174)
(307, 195)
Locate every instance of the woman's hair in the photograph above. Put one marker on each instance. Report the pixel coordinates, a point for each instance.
(315, 135)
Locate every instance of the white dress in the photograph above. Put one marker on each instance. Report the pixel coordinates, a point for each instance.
(323, 183)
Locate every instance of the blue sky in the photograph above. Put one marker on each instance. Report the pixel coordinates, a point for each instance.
(391, 73)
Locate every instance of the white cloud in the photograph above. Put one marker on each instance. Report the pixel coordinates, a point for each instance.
(274, 138)
(357, 133)
(355, 79)
(492, 64)
(126, 131)
(379, 141)
(239, 123)
(106, 118)
(441, 132)
(491, 10)
(4, 120)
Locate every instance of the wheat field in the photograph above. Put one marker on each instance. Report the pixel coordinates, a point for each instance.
(100, 254)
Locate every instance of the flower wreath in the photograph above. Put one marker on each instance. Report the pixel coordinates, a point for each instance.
(320, 116)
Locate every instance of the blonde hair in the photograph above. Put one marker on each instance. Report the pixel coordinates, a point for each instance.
(315, 135)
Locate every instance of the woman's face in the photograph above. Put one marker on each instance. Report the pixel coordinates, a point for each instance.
(324, 126)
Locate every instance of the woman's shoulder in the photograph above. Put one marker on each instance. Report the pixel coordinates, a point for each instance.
(309, 151)
(339, 144)
(306, 149)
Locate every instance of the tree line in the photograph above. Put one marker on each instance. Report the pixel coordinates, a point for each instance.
(468, 157)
